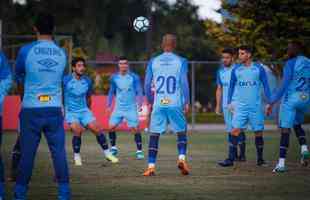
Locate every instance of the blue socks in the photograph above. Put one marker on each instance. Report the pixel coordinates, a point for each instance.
(182, 143)
(2, 189)
(64, 192)
(102, 141)
(259, 143)
(284, 143)
(232, 147)
(112, 137)
(20, 192)
(153, 147)
(76, 144)
(138, 140)
(300, 134)
(242, 145)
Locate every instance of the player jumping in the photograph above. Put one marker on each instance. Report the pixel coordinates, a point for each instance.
(223, 81)
(245, 101)
(126, 87)
(77, 100)
(168, 72)
(295, 94)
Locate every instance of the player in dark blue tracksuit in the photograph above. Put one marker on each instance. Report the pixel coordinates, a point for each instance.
(41, 66)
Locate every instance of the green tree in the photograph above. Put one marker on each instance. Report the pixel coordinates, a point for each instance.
(266, 25)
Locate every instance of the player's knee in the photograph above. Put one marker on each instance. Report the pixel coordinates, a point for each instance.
(258, 134)
(285, 130)
(77, 130)
(236, 131)
(297, 127)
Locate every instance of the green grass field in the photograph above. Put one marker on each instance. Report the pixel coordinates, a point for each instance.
(98, 179)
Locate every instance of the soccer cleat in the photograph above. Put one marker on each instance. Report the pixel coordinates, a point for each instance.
(139, 155)
(150, 171)
(114, 151)
(305, 156)
(261, 163)
(183, 167)
(279, 169)
(226, 163)
(112, 158)
(77, 159)
(241, 159)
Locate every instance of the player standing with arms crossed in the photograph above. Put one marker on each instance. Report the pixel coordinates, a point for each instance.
(245, 88)
(41, 65)
(5, 85)
(126, 87)
(295, 94)
(77, 99)
(168, 73)
(223, 81)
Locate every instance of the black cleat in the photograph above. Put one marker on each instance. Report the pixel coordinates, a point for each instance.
(226, 163)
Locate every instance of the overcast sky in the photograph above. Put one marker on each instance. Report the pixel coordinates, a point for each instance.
(207, 9)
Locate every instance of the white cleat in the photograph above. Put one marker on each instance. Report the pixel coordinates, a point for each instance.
(77, 159)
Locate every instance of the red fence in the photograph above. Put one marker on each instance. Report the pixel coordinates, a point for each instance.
(11, 110)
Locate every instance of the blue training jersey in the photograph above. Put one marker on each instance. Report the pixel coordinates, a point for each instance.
(246, 83)
(223, 79)
(76, 92)
(295, 84)
(5, 78)
(127, 90)
(39, 67)
(168, 73)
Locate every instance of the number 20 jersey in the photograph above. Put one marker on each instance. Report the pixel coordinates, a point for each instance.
(168, 70)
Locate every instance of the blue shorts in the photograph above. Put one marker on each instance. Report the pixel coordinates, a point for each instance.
(292, 112)
(243, 116)
(161, 116)
(228, 119)
(84, 118)
(131, 117)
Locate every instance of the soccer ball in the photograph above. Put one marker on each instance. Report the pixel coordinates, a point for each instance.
(141, 24)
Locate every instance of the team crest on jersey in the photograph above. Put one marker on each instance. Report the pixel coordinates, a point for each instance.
(165, 101)
(44, 98)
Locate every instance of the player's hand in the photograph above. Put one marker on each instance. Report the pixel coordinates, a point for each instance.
(231, 108)
(218, 110)
(186, 108)
(268, 109)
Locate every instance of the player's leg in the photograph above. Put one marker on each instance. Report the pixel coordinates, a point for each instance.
(74, 122)
(77, 131)
(301, 136)
(286, 121)
(239, 122)
(113, 138)
(30, 136)
(158, 125)
(177, 120)
(55, 136)
(1, 164)
(15, 158)
(115, 119)
(132, 119)
(90, 122)
(256, 119)
(242, 146)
